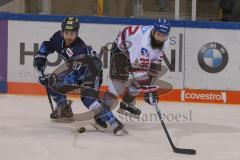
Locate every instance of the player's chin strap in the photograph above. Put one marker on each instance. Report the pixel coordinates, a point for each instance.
(48, 94)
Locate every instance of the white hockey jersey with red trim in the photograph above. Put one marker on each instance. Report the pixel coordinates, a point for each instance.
(137, 41)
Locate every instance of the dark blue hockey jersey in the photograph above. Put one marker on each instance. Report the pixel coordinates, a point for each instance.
(77, 48)
(56, 43)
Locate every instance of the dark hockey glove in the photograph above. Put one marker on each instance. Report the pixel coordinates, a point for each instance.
(43, 80)
(39, 62)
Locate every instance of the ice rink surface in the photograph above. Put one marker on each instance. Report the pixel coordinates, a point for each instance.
(26, 133)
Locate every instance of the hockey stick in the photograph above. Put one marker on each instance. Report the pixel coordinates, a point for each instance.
(48, 94)
(149, 89)
(175, 149)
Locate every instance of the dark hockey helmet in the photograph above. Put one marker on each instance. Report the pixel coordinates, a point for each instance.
(70, 24)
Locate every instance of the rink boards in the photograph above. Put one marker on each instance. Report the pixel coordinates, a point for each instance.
(202, 58)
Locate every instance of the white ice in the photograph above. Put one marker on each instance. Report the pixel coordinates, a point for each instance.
(26, 133)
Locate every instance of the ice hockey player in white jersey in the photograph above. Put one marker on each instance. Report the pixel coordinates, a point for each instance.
(136, 53)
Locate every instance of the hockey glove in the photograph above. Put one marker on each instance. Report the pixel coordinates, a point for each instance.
(151, 98)
(39, 62)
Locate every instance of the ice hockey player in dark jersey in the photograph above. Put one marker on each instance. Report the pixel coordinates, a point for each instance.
(68, 45)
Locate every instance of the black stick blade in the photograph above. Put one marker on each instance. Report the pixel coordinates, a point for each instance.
(184, 151)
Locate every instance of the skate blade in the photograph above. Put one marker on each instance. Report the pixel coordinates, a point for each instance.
(97, 127)
(63, 120)
(126, 113)
(121, 132)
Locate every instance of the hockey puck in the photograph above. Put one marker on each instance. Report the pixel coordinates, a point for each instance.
(81, 130)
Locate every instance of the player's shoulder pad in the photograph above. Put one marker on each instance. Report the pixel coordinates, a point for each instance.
(81, 42)
(57, 35)
(144, 29)
(81, 45)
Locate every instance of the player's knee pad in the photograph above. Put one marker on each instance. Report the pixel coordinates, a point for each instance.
(93, 80)
(109, 100)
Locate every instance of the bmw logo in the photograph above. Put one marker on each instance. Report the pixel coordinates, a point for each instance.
(213, 57)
